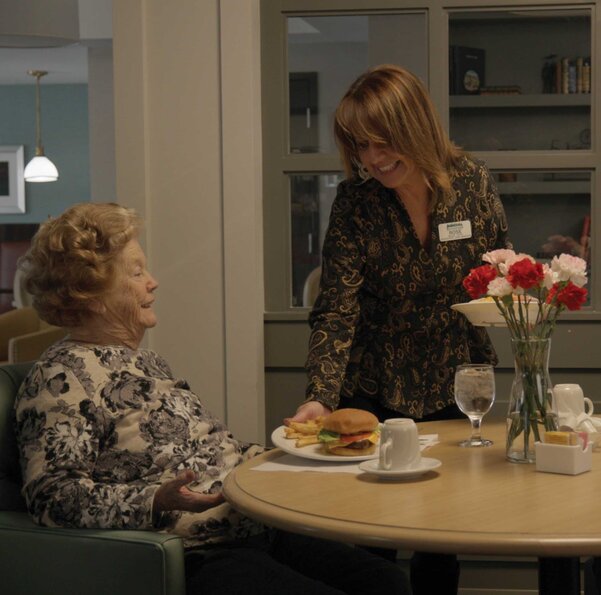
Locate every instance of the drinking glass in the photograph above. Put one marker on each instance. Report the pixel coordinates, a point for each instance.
(474, 395)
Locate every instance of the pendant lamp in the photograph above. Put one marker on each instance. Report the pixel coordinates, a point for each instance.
(40, 168)
(40, 23)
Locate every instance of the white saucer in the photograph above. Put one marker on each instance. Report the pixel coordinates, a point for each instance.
(373, 466)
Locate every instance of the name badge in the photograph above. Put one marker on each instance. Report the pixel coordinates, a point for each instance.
(456, 230)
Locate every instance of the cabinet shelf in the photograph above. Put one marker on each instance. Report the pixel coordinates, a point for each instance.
(533, 100)
(546, 187)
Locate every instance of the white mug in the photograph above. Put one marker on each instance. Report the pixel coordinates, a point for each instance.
(572, 406)
(399, 445)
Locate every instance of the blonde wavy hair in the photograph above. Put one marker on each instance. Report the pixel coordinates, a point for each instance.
(71, 261)
(390, 105)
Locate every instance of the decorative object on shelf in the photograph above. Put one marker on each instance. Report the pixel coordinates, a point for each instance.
(514, 282)
(12, 187)
(585, 237)
(40, 168)
(467, 70)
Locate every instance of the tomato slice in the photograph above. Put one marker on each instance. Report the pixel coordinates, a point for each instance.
(349, 438)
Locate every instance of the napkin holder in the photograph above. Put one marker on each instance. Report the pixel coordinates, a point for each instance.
(559, 458)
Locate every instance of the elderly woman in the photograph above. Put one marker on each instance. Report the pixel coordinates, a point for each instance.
(109, 438)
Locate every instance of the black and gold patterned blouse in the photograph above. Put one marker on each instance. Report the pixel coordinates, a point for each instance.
(382, 326)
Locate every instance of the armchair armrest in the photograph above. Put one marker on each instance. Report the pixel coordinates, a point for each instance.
(28, 347)
(37, 559)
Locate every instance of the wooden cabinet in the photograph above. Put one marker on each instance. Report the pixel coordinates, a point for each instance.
(539, 142)
(542, 148)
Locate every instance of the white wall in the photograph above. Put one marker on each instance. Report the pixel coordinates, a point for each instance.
(95, 19)
(101, 123)
(187, 121)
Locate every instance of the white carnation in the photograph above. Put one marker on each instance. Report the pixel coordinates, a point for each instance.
(499, 287)
(569, 268)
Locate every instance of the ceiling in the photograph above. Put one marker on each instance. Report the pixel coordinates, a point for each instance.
(68, 64)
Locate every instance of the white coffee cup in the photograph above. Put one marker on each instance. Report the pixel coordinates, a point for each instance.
(572, 406)
(399, 445)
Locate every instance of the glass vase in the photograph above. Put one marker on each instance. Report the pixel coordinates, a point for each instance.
(531, 410)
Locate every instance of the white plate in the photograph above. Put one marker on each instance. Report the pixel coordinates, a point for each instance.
(425, 466)
(313, 451)
(486, 313)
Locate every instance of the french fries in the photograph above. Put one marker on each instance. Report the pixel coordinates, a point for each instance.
(305, 433)
(306, 440)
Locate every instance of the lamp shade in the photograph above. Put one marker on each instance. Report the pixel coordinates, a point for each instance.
(40, 169)
(38, 23)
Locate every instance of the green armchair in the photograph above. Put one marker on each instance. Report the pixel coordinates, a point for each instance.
(42, 560)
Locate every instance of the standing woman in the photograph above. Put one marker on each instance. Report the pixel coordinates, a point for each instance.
(413, 216)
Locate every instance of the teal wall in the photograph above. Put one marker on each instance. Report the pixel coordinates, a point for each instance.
(65, 139)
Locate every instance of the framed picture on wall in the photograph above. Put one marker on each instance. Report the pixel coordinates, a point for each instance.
(12, 183)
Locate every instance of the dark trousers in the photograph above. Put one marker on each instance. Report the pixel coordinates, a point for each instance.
(278, 562)
(592, 576)
(430, 573)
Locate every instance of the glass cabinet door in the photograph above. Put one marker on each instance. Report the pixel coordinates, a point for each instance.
(519, 90)
(327, 53)
(520, 79)
(311, 198)
(549, 213)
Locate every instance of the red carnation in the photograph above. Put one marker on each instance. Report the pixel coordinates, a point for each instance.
(525, 274)
(571, 296)
(476, 283)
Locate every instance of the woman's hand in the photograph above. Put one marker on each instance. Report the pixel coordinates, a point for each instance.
(174, 495)
(309, 410)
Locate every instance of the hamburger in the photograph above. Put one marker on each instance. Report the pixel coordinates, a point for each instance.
(350, 433)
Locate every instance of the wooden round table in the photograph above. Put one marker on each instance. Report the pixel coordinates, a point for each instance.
(475, 503)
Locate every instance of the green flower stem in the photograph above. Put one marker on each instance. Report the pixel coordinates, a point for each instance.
(530, 396)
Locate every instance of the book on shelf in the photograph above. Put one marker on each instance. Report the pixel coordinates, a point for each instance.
(579, 67)
(586, 75)
(501, 90)
(467, 70)
(567, 75)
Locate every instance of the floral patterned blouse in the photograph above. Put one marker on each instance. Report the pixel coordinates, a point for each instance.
(100, 428)
(382, 326)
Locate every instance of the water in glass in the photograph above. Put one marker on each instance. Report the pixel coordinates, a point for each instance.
(474, 395)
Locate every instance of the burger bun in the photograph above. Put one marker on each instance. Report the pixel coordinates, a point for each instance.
(350, 421)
